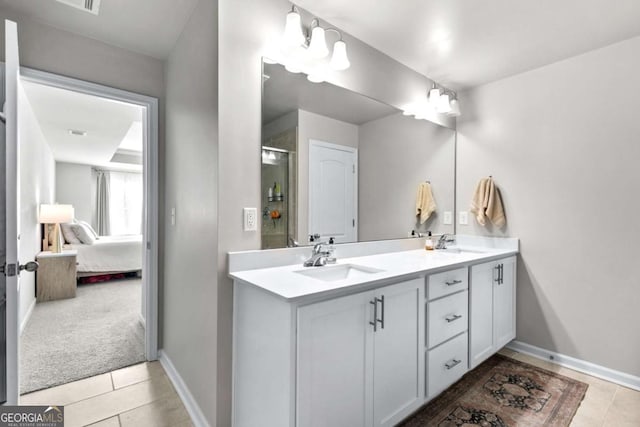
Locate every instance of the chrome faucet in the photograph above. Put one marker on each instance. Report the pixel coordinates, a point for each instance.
(442, 242)
(319, 257)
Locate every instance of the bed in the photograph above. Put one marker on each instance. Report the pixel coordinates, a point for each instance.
(108, 255)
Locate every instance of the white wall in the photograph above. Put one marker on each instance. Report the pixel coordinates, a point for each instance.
(37, 185)
(314, 126)
(246, 29)
(396, 154)
(76, 185)
(562, 143)
(189, 300)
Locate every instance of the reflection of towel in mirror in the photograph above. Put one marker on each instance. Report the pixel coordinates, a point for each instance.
(425, 205)
(487, 203)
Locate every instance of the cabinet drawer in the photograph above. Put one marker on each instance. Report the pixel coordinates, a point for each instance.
(446, 364)
(447, 317)
(447, 282)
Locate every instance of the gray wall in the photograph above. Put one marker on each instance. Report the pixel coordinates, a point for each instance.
(562, 144)
(396, 154)
(76, 185)
(190, 292)
(37, 185)
(315, 126)
(246, 29)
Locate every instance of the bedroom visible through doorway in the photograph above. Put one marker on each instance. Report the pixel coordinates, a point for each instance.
(86, 312)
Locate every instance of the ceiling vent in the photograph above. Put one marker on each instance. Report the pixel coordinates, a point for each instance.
(91, 6)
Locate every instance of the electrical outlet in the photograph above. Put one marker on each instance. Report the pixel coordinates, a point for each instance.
(250, 219)
(464, 218)
(448, 218)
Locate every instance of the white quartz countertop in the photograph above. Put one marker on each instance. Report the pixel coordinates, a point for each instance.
(288, 283)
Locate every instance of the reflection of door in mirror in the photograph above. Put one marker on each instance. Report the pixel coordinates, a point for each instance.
(279, 173)
(332, 191)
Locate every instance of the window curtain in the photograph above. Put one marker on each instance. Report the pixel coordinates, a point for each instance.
(126, 203)
(103, 207)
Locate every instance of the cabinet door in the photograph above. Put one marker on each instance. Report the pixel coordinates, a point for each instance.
(398, 367)
(483, 277)
(335, 348)
(504, 319)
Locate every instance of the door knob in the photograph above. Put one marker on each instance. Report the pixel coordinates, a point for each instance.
(31, 266)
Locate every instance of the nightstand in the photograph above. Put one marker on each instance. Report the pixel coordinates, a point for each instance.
(56, 276)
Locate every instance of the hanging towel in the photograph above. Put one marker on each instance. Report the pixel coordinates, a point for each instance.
(487, 203)
(425, 205)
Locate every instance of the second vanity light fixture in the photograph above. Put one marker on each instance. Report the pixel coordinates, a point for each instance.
(438, 101)
(302, 54)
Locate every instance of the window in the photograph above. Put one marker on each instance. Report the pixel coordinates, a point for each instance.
(125, 204)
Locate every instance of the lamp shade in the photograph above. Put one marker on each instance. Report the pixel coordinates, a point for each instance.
(293, 30)
(443, 106)
(434, 96)
(55, 214)
(455, 108)
(339, 59)
(318, 46)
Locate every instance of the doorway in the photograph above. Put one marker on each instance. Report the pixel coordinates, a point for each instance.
(146, 180)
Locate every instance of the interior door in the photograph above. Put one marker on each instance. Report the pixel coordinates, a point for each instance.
(332, 191)
(9, 200)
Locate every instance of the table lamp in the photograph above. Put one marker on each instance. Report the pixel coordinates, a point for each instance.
(55, 214)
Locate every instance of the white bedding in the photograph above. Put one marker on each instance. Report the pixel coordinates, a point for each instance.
(110, 254)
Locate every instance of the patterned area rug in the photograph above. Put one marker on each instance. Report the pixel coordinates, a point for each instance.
(503, 392)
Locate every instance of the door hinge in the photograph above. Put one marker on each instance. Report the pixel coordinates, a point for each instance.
(9, 270)
(353, 222)
(148, 245)
(353, 168)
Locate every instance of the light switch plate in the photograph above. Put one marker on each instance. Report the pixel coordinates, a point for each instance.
(464, 218)
(250, 219)
(448, 218)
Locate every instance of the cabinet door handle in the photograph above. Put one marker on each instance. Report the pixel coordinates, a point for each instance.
(501, 274)
(375, 314)
(454, 282)
(381, 320)
(450, 319)
(452, 364)
(497, 268)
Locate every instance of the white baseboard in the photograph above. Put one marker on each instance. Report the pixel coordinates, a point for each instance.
(197, 417)
(27, 316)
(621, 378)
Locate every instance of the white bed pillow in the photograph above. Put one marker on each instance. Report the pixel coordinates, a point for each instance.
(83, 233)
(89, 227)
(69, 235)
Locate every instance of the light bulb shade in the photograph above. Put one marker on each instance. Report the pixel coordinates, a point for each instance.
(55, 214)
(293, 35)
(443, 106)
(455, 108)
(339, 59)
(434, 96)
(318, 46)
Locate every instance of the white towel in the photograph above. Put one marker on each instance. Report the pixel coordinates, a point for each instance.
(425, 205)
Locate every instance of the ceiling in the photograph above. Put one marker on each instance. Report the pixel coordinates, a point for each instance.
(108, 126)
(150, 27)
(285, 92)
(462, 43)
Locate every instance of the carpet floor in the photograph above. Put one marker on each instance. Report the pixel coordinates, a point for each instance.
(503, 392)
(97, 331)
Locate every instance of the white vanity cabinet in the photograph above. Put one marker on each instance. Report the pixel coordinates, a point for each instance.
(355, 360)
(492, 310)
(359, 360)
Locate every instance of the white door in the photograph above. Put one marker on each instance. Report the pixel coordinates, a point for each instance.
(398, 367)
(334, 363)
(483, 277)
(10, 264)
(332, 191)
(504, 320)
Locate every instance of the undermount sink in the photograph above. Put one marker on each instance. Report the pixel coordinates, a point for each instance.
(338, 272)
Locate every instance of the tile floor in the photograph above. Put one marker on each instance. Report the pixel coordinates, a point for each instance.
(137, 396)
(142, 395)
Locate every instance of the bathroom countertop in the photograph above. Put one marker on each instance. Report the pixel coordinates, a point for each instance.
(287, 283)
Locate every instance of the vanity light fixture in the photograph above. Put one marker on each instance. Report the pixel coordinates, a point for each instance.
(455, 106)
(307, 54)
(434, 95)
(441, 101)
(443, 106)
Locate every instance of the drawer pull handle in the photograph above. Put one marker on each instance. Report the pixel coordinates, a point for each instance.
(452, 364)
(455, 282)
(450, 319)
